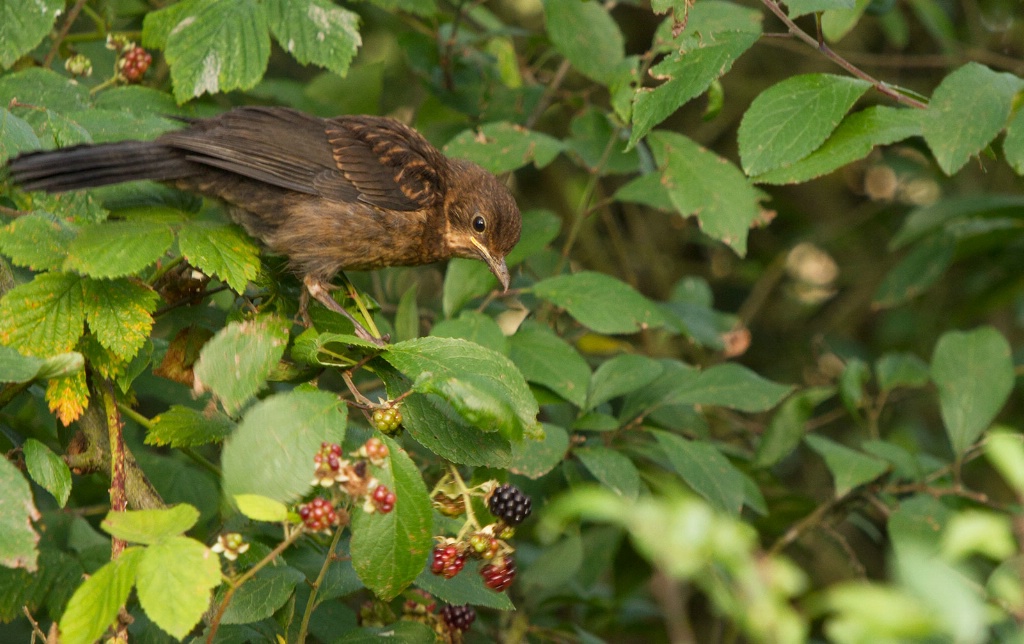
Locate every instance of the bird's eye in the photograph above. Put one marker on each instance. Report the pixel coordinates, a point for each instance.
(479, 225)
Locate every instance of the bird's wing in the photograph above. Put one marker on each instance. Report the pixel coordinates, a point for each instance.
(371, 159)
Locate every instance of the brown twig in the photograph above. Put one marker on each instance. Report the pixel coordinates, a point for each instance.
(65, 28)
(115, 434)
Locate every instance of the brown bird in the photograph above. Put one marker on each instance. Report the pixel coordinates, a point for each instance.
(346, 193)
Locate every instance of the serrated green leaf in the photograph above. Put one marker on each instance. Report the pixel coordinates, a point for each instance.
(793, 118)
(117, 248)
(475, 327)
(535, 458)
(212, 46)
(600, 302)
(119, 312)
(48, 470)
(614, 470)
(16, 136)
(260, 508)
(685, 75)
(849, 467)
(733, 386)
(916, 272)
(974, 373)
(44, 87)
(437, 426)
(261, 596)
(45, 316)
(18, 540)
(548, 360)
(281, 434)
(316, 31)
(485, 384)
(788, 425)
(23, 25)
(1013, 143)
(465, 588)
(95, 604)
(621, 375)
(186, 427)
(586, 34)
(151, 526)
(799, 8)
(389, 550)
(705, 469)
(235, 363)
(968, 109)
(220, 250)
(702, 183)
(854, 139)
(503, 147)
(183, 570)
(38, 241)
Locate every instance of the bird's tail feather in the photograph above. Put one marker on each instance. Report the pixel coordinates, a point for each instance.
(89, 166)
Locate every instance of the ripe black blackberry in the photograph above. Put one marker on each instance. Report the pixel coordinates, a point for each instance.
(508, 503)
(458, 618)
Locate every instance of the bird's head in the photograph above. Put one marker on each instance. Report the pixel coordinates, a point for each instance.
(482, 219)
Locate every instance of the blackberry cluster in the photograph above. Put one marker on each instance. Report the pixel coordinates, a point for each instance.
(328, 464)
(134, 63)
(387, 420)
(447, 561)
(318, 514)
(458, 618)
(499, 575)
(508, 503)
(384, 499)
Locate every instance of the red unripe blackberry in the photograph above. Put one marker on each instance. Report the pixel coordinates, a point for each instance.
(447, 561)
(384, 499)
(134, 63)
(318, 514)
(508, 503)
(458, 618)
(498, 575)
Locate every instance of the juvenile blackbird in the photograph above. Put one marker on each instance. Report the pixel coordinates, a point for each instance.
(351, 192)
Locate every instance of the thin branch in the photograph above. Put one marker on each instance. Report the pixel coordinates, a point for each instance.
(311, 602)
(55, 48)
(115, 434)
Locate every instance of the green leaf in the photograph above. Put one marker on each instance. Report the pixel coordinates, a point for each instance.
(1013, 143)
(600, 302)
(733, 386)
(407, 317)
(235, 363)
(793, 118)
(462, 589)
(586, 34)
(175, 578)
(968, 109)
(94, 606)
(437, 426)
(973, 371)
(612, 469)
(702, 183)
(621, 375)
(271, 452)
(260, 508)
(788, 425)
(475, 327)
(483, 386)
(593, 132)
(535, 458)
(186, 427)
(38, 241)
(917, 272)
(901, 370)
(150, 526)
(44, 87)
(556, 566)
(705, 469)
(836, 23)
(15, 367)
(45, 316)
(465, 280)
(389, 550)
(540, 227)
(16, 135)
(849, 468)
(220, 250)
(854, 139)
(23, 25)
(212, 46)
(18, 539)
(687, 74)
(263, 595)
(316, 31)
(799, 8)
(416, 7)
(48, 470)
(119, 312)
(1005, 450)
(503, 147)
(117, 248)
(548, 360)
(954, 211)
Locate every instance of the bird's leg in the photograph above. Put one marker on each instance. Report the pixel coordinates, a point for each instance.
(320, 291)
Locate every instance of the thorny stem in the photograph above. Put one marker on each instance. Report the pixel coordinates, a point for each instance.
(820, 45)
(311, 602)
(236, 583)
(115, 433)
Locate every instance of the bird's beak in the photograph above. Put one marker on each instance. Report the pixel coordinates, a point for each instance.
(496, 264)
